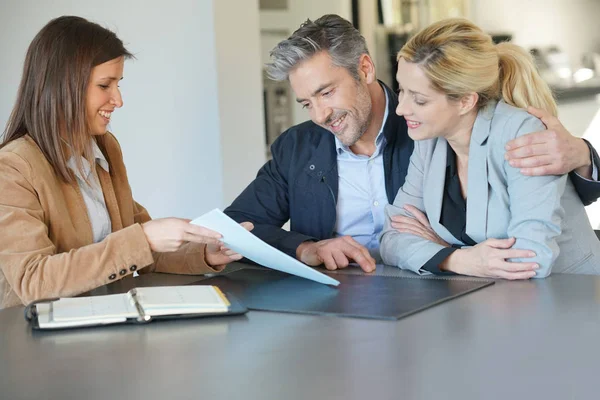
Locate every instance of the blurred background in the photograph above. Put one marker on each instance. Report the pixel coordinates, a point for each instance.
(200, 113)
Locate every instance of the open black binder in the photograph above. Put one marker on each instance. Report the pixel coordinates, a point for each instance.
(361, 296)
(154, 303)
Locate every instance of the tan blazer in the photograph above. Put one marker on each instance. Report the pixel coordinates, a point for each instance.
(46, 245)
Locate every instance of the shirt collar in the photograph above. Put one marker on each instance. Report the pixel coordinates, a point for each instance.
(379, 140)
(98, 157)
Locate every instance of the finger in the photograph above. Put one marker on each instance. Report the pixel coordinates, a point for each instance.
(526, 140)
(202, 231)
(329, 261)
(532, 150)
(409, 222)
(418, 230)
(418, 214)
(367, 262)
(226, 251)
(247, 225)
(340, 259)
(533, 161)
(542, 170)
(361, 256)
(514, 253)
(516, 266)
(212, 248)
(548, 119)
(539, 113)
(399, 226)
(500, 243)
(422, 233)
(190, 237)
(513, 276)
(401, 219)
(364, 251)
(236, 257)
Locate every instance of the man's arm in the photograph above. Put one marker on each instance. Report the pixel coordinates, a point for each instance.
(265, 202)
(556, 152)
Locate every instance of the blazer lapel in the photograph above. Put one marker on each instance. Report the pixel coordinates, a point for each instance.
(110, 189)
(78, 209)
(477, 191)
(433, 191)
(110, 199)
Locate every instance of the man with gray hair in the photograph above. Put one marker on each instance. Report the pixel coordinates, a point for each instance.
(333, 188)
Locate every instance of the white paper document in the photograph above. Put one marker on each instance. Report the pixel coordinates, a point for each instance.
(245, 243)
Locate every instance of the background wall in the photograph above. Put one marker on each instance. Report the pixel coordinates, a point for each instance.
(570, 24)
(240, 97)
(192, 92)
(276, 25)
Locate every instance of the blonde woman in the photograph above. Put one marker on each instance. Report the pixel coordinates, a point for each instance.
(464, 99)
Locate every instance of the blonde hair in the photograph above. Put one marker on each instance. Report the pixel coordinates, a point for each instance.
(459, 58)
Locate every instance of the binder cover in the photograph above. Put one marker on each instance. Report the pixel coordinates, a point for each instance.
(235, 308)
(360, 296)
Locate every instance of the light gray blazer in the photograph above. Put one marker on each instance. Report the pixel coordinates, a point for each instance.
(544, 213)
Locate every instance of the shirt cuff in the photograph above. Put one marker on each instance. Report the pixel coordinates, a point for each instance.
(433, 265)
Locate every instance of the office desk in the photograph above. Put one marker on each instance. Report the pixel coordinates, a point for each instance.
(514, 340)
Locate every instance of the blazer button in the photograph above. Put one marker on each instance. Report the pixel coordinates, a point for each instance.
(122, 272)
(133, 268)
(112, 277)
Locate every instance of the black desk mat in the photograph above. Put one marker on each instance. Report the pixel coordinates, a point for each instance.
(360, 296)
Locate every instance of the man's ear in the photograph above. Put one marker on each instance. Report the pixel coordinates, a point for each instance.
(366, 69)
(468, 102)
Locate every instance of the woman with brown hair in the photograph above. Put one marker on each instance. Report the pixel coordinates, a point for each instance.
(68, 221)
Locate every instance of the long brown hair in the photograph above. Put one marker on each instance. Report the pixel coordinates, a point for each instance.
(51, 101)
(458, 58)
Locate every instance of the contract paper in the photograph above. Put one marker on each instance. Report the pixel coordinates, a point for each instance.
(245, 243)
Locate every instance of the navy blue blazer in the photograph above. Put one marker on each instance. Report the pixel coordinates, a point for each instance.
(300, 182)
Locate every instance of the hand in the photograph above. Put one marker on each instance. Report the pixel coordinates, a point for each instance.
(169, 234)
(488, 260)
(551, 152)
(418, 226)
(219, 254)
(335, 253)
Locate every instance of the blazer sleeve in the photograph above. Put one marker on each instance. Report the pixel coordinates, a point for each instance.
(535, 206)
(587, 189)
(29, 259)
(266, 203)
(405, 250)
(190, 259)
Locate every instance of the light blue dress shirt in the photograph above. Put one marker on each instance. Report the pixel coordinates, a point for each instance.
(361, 192)
(92, 194)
